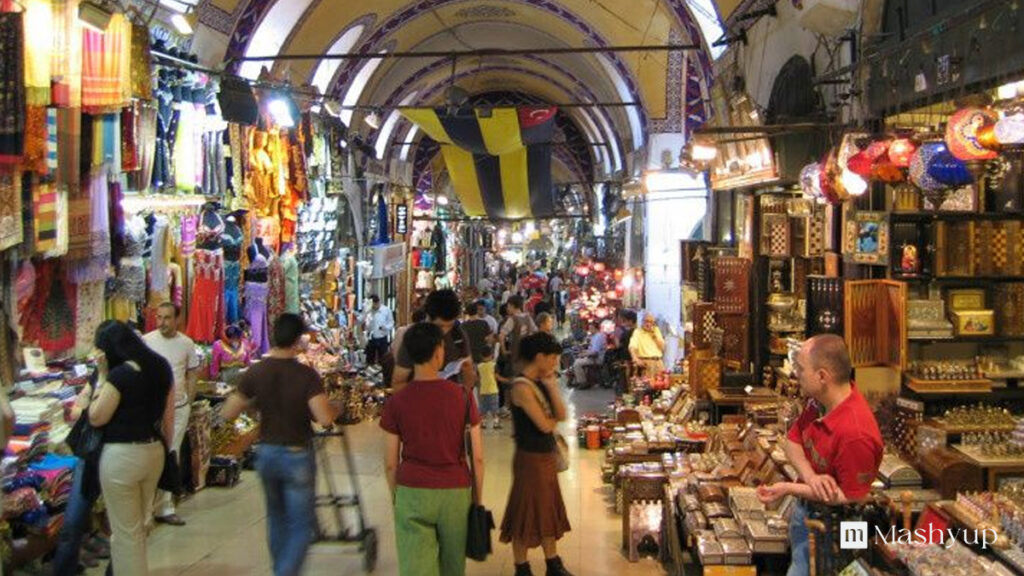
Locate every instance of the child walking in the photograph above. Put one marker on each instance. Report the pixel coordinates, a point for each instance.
(489, 390)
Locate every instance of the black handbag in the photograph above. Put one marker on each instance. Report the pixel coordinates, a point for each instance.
(85, 440)
(481, 521)
(170, 478)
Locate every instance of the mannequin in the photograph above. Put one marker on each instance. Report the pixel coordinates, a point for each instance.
(232, 240)
(206, 315)
(256, 292)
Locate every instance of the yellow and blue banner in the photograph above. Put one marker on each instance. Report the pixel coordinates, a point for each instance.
(499, 159)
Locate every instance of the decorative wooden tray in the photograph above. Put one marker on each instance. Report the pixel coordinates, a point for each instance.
(948, 386)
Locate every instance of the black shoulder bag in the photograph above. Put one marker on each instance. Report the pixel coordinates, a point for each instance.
(481, 522)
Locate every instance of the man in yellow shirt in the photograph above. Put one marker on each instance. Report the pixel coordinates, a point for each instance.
(647, 346)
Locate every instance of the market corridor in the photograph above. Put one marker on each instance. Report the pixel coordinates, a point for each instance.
(226, 531)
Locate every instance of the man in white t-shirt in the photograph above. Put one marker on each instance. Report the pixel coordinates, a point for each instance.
(180, 352)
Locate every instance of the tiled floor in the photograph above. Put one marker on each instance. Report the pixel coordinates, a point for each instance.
(225, 534)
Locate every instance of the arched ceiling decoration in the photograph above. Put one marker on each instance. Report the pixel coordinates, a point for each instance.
(671, 87)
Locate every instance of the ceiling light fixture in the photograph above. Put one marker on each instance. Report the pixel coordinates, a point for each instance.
(181, 23)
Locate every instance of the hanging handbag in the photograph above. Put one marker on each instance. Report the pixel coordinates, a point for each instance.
(170, 478)
(480, 521)
(561, 446)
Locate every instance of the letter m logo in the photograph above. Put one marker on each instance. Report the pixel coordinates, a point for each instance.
(853, 535)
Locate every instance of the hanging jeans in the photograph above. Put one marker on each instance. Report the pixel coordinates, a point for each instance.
(288, 474)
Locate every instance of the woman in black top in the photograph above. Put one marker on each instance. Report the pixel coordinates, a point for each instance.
(134, 406)
(535, 514)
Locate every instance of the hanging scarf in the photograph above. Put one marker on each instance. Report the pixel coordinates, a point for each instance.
(12, 88)
(69, 142)
(89, 249)
(11, 229)
(44, 202)
(130, 161)
(66, 63)
(106, 62)
(49, 316)
(38, 47)
(106, 140)
(35, 140)
(141, 64)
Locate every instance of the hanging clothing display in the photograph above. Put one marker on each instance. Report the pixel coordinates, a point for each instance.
(438, 245)
(89, 240)
(290, 265)
(66, 57)
(38, 50)
(69, 146)
(12, 88)
(130, 283)
(232, 271)
(88, 315)
(11, 228)
(106, 65)
(256, 294)
(275, 290)
(48, 319)
(141, 69)
(206, 311)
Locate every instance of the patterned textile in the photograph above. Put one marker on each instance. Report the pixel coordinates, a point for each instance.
(106, 65)
(141, 64)
(206, 315)
(51, 141)
(106, 140)
(145, 146)
(11, 229)
(89, 247)
(45, 212)
(48, 319)
(66, 63)
(35, 140)
(12, 88)
(129, 139)
(38, 48)
(189, 230)
(88, 315)
(130, 284)
(276, 293)
(69, 142)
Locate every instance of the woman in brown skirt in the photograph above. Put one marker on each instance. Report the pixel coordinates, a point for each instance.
(535, 515)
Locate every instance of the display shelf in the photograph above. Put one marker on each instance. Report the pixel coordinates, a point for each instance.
(974, 454)
(954, 216)
(948, 386)
(966, 340)
(977, 279)
(951, 429)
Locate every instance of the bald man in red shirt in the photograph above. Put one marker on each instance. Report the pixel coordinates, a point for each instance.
(835, 445)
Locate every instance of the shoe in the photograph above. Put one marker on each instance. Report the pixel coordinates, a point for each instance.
(556, 568)
(170, 520)
(523, 569)
(97, 548)
(88, 560)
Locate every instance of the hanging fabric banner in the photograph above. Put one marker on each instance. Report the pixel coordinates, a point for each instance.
(499, 159)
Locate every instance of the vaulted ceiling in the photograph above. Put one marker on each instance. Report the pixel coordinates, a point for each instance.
(671, 88)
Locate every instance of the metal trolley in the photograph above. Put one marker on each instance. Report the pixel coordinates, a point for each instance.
(336, 503)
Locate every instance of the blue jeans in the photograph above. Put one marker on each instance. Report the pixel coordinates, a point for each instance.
(76, 523)
(289, 485)
(799, 541)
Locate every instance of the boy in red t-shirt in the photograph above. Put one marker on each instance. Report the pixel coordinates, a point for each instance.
(425, 461)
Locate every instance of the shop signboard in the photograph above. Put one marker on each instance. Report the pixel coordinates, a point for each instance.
(402, 219)
(388, 260)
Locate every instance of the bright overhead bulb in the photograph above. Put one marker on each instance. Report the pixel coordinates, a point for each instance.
(372, 120)
(281, 113)
(182, 24)
(517, 237)
(442, 200)
(703, 152)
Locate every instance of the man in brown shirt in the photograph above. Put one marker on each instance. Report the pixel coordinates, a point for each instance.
(442, 308)
(288, 395)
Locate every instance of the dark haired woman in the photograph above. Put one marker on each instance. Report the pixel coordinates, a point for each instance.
(535, 515)
(229, 355)
(134, 406)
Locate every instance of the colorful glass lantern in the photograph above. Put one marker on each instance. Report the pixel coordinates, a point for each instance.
(962, 134)
(949, 170)
(853, 183)
(1009, 131)
(611, 295)
(919, 166)
(827, 179)
(810, 179)
(599, 267)
(900, 152)
(861, 164)
(878, 149)
(849, 147)
(888, 172)
(582, 270)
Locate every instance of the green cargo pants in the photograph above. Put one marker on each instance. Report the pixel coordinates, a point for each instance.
(430, 529)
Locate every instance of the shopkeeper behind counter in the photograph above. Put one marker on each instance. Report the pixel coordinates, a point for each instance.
(835, 445)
